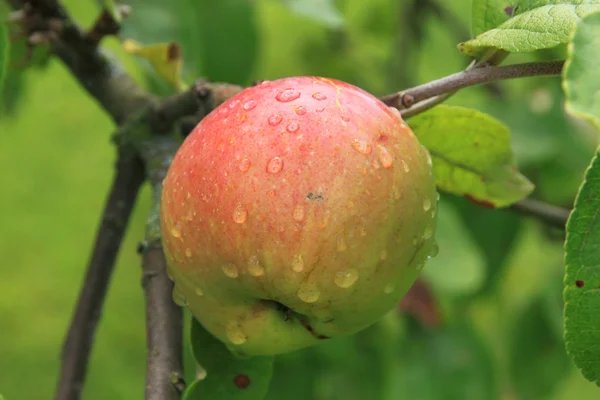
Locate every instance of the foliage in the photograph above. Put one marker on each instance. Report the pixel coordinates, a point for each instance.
(496, 280)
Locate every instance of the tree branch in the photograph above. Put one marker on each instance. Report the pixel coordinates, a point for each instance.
(551, 215)
(76, 349)
(473, 76)
(101, 76)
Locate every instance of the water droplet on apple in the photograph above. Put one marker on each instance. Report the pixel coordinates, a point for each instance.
(426, 204)
(361, 146)
(198, 292)
(375, 164)
(275, 165)
(271, 194)
(274, 119)
(345, 118)
(341, 244)
(175, 232)
(230, 270)
(188, 253)
(254, 267)
(363, 232)
(396, 112)
(287, 95)
(244, 165)
(240, 214)
(433, 250)
(300, 110)
(292, 127)
(320, 109)
(298, 263)
(319, 96)
(385, 158)
(298, 212)
(389, 288)
(346, 278)
(428, 232)
(190, 215)
(308, 292)
(405, 166)
(249, 105)
(235, 334)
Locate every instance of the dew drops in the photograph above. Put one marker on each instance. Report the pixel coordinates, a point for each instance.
(230, 270)
(319, 96)
(396, 112)
(389, 288)
(240, 214)
(190, 215)
(361, 146)
(275, 165)
(287, 95)
(292, 127)
(385, 158)
(176, 233)
(363, 232)
(428, 232)
(244, 165)
(426, 204)
(254, 267)
(341, 244)
(405, 166)
(345, 118)
(271, 194)
(320, 109)
(198, 292)
(249, 105)
(298, 263)
(346, 278)
(188, 253)
(429, 160)
(235, 334)
(274, 119)
(375, 164)
(308, 293)
(433, 250)
(300, 110)
(298, 213)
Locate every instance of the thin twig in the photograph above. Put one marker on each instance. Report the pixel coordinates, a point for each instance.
(470, 77)
(76, 350)
(425, 105)
(551, 215)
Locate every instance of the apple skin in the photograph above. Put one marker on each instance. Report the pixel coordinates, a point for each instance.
(299, 210)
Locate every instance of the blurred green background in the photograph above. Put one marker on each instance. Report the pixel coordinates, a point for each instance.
(497, 280)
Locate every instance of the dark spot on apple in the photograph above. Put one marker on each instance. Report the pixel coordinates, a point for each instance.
(314, 196)
(242, 381)
(382, 138)
(579, 283)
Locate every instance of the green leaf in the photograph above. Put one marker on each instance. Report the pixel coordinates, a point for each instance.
(3, 52)
(488, 14)
(471, 155)
(537, 358)
(582, 278)
(451, 363)
(538, 28)
(581, 82)
(458, 269)
(222, 36)
(323, 11)
(227, 376)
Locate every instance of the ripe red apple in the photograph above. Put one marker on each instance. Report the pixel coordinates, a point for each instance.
(299, 210)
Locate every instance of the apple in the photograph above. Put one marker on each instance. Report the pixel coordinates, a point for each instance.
(299, 210)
